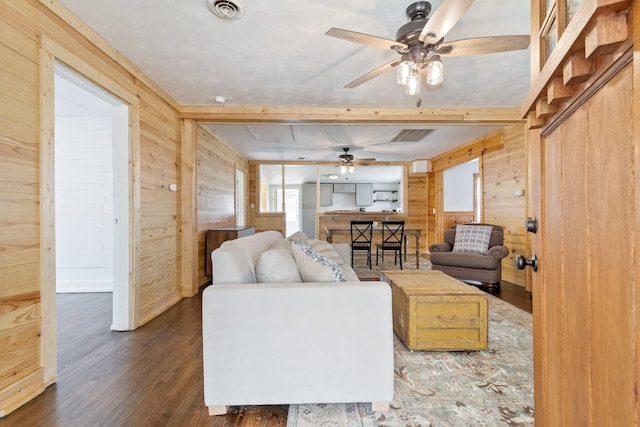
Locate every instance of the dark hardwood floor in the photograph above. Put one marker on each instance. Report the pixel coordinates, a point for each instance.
(149, 377)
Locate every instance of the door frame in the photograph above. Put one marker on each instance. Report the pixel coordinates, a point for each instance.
(50, 53)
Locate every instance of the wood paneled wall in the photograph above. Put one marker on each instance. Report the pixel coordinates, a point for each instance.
(216, 189)
(23, 26)
(417, 207)
(503, 171)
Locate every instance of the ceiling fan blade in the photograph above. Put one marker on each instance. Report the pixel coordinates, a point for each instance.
(366, 39)
(481, 45)
(372, 74)
(443, 19)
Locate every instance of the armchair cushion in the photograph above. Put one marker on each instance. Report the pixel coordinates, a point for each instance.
(440, 247)
(472, 238)
(469, 260)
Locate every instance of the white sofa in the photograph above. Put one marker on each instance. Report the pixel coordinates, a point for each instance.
(293, 343)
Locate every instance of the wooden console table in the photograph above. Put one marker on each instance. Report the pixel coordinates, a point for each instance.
(217, 236)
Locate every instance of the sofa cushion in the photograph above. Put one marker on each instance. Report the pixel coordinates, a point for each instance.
(472, 238)
(466, 259)
(235, 260)
(298, 236)
(277, 266)
(326, 249)
(315, 267)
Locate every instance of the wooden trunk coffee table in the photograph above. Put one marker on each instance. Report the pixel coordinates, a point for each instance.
(433, 311)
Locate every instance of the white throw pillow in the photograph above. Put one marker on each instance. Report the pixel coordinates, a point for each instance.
(314, 267)
(277, 266)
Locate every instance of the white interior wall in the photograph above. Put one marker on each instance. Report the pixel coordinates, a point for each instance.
(459, 187)
(84, 204)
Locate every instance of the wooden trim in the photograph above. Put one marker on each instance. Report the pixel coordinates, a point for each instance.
(135, 216)
(50, 52)
(568, 44)
(472, 116)
(48, 325)
(20, 392)
(584, 96)
(189, 208)
(72, 20)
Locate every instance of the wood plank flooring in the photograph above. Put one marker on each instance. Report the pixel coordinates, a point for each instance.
(148, 377)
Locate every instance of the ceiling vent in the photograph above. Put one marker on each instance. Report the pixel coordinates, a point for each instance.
(226, 9)
(411, 135)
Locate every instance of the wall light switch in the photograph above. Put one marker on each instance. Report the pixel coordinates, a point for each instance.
(173, 187)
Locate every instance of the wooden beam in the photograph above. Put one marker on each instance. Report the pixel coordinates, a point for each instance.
(470, 116)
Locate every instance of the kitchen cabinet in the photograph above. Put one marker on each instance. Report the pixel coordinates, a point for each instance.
(344, 188)
(326, 195)
(364, 194)
(309, 195)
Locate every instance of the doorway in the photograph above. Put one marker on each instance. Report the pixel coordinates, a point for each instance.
(91, 192)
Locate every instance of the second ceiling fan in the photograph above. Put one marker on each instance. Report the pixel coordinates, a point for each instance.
(420, 43)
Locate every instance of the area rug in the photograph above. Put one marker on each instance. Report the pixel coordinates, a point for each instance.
(467, 388)
(365, 273)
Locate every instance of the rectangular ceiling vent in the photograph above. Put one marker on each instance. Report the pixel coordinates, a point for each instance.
(411, 135)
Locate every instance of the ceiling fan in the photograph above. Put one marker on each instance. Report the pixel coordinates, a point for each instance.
(346, 161)
(420, 43)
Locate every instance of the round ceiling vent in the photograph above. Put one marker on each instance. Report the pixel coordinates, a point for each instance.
(226, 9)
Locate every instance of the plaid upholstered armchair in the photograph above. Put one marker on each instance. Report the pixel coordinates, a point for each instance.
(471, 252)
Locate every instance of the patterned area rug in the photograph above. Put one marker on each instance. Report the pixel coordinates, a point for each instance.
(468, 388)
(365, 273)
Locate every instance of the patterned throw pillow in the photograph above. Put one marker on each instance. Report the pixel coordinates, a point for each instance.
(315, 267)
(472, 238)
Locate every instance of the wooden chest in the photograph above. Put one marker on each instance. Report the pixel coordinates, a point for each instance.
(433, 311)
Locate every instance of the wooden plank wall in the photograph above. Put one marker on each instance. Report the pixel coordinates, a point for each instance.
(160, 210)
(417, 207)
(22, 25)
(431, 208)
(216, 177)
(504, 172)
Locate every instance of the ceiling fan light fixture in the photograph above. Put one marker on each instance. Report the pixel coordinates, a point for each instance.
(435, 71)
(413, 83)
(343, 169)
(404, 70)
(351, 169)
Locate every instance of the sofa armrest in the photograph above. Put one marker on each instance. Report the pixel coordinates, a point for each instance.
(498, 251)
(277, 343)
(440, 247)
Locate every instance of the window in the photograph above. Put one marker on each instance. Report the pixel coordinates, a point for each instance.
(557, 15)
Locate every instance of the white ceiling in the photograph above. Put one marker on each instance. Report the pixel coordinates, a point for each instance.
(278, 55)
